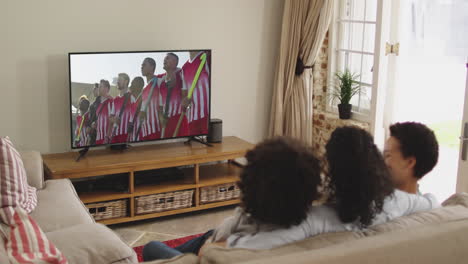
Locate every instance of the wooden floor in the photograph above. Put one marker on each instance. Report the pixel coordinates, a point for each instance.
(171, 227)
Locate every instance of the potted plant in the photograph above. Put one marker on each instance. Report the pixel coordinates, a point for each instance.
(346, 86)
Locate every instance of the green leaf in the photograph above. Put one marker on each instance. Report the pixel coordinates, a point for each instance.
(346, 85)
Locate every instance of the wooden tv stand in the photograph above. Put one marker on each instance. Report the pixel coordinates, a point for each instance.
(143, 158)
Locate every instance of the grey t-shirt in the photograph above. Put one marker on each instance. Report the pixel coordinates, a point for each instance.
(240, 231)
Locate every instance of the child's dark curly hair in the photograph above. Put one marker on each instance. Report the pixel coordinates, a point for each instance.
(358, 178)
(280, 181)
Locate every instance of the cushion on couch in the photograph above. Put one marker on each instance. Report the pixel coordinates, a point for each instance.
(92, 243)
(25, 243)
(215, 254)
(14, 188)
(59, 206)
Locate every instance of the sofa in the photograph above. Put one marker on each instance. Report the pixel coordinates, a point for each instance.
(67, 223)
(436, 236)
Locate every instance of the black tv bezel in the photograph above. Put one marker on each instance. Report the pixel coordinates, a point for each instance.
(143, 51)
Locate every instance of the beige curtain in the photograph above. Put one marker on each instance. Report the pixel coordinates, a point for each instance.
(305, 24)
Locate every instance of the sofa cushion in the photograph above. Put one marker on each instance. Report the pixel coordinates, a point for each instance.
(214, 254)
(181, 259)
(92, 243)
(445, 243)
(24, 240)
(14, 188)
(33, 165)
(59, 206)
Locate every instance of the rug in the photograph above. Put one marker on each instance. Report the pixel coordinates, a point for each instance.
(172, 243)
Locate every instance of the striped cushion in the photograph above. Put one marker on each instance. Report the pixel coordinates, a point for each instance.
(24, 240)
(14, 188)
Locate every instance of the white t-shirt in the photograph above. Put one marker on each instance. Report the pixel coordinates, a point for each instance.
(323, 219)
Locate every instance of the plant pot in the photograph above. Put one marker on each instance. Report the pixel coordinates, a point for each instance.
(344, 111)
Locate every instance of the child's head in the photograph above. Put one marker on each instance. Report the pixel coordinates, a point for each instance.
(357, 176)
(280, 181)
(410, 152)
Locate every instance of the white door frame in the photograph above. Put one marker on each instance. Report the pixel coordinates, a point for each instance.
(462, 176)
(379, 87)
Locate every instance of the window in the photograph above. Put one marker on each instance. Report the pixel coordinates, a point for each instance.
(352, 41)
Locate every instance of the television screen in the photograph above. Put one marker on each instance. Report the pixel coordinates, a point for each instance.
(125, 97)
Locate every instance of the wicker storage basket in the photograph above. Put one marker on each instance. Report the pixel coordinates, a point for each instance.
(163, 201)
(222, 192)
(107, 210)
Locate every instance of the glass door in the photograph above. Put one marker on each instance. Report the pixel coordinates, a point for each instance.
(426, 78)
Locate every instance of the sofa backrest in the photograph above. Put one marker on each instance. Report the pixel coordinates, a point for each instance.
(32, 161)
(454, 210)
(237, 255)
(445, 243)
(435, 216)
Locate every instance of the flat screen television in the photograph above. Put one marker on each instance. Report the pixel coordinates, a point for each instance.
(128, 97)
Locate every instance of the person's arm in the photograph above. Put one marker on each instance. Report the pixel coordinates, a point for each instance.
(404, 203)
(222, 232)
(145, 103)
(110, 123)
(112, 115)
(78, 123)
(227, 227)
(184, 84)
(185, 101)
(163, 117)
(319, 219)
(418, 203)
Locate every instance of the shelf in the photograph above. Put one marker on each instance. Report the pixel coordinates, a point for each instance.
(138, 163)
(155, 189)
(218, 204)
(167, 213)
(105, 161)
(102, 196)
(187, 182)
(178, 185)
(116, 220)
(218, 174)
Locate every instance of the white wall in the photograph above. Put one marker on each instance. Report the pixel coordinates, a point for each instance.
(36, 36)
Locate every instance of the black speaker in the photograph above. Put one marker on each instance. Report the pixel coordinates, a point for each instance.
(215, 131)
